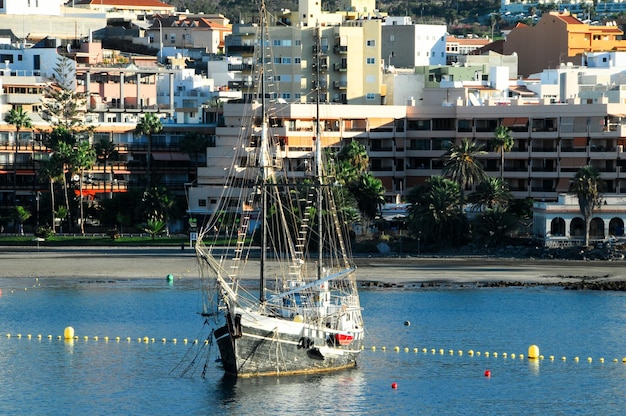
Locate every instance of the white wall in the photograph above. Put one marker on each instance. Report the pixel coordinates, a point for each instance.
(33, 7)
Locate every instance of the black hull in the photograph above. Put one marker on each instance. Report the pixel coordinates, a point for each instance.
(255, 354)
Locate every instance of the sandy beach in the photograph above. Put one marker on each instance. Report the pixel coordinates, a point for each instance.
(92, 262)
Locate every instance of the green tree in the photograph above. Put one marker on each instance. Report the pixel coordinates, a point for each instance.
(83, 157)
(434, 214)
(51, 171)
(493, 226)
(502, 142)
(588, 187)
(21, 215)
(368, 192)
(20, 119)
(106, 151)
(490, 194)
(157, 204)
(149, 125)
(154, 227)
(62, 104)
(461, 164)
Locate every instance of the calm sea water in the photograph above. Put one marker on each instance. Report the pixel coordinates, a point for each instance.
(94, 377)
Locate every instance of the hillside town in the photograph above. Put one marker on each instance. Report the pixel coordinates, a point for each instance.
(158, 96)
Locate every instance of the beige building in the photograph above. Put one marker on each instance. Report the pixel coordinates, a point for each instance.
(349, 50)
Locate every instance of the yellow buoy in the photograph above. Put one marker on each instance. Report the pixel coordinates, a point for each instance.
(513, 356)
(495, 354)
(28, 336)
(396, 348)
(68, 333)
(601, 359)
(504, 354)
(174, 340)
(486, 353)
(85, 337)
(117, 339)
(432, 350)
(298, 318)
(460, 352)
(415, 350)
(533, 352)
(95, 338)
(146, 339)
(470, 352)
(373, 348)
(576, 359)
(185, 341)
(38, 336)
(589, 359)
(406, 349)
(424, 350)
(163, 340)
(384, 348)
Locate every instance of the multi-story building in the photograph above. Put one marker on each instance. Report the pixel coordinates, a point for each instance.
(560, 37)
(348, 50)
(407, 45)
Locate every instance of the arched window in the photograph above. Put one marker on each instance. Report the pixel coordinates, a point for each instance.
(557, 227)
(616, 227)
(577, 227)
(596, 228)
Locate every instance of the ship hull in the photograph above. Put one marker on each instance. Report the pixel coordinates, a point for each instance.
(250, 351)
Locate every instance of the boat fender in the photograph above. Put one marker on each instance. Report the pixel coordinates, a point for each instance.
(305, 343)
(315, 354)
(238, 333)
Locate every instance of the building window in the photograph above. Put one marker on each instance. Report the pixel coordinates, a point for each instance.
(287, 61)
(202, 202)
(298, 42)
(370, 61)
(392, 38)
(297, 61)
(276, 42)
(370, 42)
(286, 95)
(297, 95)
(370, 96)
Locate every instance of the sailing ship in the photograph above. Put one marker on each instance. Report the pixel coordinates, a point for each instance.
(289, 237)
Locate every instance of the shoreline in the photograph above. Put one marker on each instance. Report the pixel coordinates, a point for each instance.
(425, 271)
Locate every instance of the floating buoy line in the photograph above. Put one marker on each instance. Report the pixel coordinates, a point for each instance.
(533, 351)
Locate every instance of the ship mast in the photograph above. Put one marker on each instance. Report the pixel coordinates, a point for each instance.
(318, 149)
(264, 160)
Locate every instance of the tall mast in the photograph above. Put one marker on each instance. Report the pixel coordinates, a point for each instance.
(264, 160)
(318, 150)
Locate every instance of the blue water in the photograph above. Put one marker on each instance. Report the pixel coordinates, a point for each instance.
(50, 376)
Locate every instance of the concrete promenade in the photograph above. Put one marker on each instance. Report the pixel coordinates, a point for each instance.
(149, 262)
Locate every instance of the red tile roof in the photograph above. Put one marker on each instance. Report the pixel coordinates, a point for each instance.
(138, 3)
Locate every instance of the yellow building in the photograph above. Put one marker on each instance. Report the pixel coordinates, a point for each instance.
(559, 37)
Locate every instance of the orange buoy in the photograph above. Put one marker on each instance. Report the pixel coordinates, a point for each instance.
(394, 385)
(487, 373)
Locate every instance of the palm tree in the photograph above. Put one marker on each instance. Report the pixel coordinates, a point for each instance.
(19, 118)
(105, 151)
(461, 164)
(491, 193)
(502, 141)
(434, 211)
(52, 171)
(83, 157)
(149, 124)
(369, 194)
(588, 187)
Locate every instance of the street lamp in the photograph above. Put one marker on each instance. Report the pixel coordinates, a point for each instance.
(160, 40)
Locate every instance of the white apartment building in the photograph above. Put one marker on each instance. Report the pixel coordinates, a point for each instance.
(31, 7)
(407, 45)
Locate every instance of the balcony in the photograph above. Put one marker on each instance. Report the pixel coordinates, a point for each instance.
(240, 49)
(323, 65)
(340, 85)
(341, 67)
(240, 67)
(339, 49)
(322, 85)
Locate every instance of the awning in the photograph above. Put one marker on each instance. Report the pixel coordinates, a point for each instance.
(178, 157)
(563, 185)
(573, 162)
(515, 122)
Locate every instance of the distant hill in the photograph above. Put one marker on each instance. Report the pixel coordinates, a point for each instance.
(451, 11)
